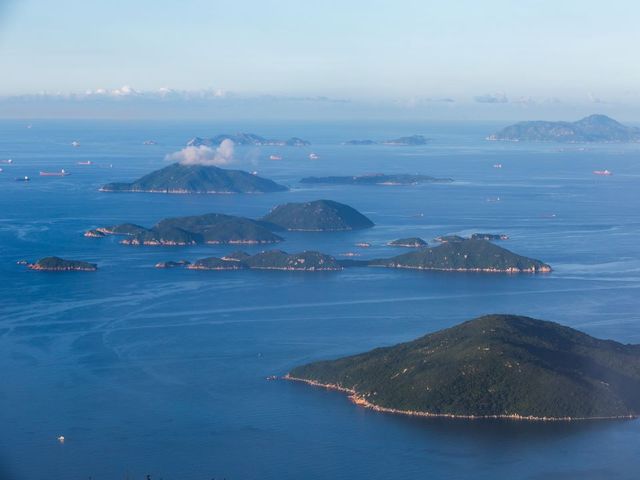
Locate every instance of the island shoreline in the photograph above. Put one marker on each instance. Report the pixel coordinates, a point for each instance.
(360, 401)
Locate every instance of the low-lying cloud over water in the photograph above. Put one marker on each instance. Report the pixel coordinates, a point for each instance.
(204, 155)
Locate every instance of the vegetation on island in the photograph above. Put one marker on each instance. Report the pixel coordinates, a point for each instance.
(591, 129)
(319, 215)
(493, 366)
(57, 264)
(179, 178)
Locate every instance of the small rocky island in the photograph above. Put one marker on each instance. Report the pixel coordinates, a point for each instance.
(309, 261)
(376, 179)
(496, 366)
(211, 228)
(474, 236)
(464, 256)
(317, 216)
(411, 242)
(412, 140)
(247, 139)
(591, 129)
(179, 178)
(57, 264)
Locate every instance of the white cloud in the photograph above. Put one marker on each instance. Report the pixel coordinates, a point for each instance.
(203, 155)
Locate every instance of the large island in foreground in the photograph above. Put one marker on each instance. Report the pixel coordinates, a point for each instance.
(496, 366)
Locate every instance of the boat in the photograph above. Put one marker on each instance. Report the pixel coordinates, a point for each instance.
(61, 439)
(313, 156)
(149, 142)
(363, 244)
(23, 179)
(61, 173)
(602, 172)
(255, 172)
(75, 143)
(88, 162)
(349, 254)
(275, 157)
(1, 170)
(497, 165)
(7, 161)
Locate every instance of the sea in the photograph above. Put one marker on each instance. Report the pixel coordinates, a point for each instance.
(162, 374)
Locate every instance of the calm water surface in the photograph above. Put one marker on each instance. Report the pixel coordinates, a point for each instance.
(156, 372)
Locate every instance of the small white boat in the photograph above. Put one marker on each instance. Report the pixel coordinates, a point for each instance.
(275, 157)
(75, 143)
(88, 162)
(313, 156)
(497, 165)
(7, 161)
(602, 172)
(61, 173)
(61, 439)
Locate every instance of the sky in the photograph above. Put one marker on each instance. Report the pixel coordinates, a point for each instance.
(397, 54)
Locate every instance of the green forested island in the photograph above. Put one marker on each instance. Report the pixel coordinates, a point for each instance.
(376, 179)
(57, 264)
(319, 215)
(179, 178)
(464, 255)
(270, 260)
(494, 366)
(211, 228)
(591, 129)
(247, 139)
(411, 242)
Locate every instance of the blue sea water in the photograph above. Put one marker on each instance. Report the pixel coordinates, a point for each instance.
(162, 372)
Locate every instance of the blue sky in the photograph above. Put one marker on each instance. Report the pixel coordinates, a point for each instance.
(403, 51)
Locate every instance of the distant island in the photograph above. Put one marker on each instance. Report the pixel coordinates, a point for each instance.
(57, 264)
(247, 139)
(464, 256)
(310, 261)
(591, 129)
(376, 179)
(211, 228)
(179, 178)
(474, 236)
(319, 215)
(411, 242)
(496, 366)
(402, 141)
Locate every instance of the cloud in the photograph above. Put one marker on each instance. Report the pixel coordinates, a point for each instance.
(492, 98)
(203, 155)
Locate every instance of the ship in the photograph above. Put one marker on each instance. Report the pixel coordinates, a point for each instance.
(88, 162)
(8, 160)
(602, 172)
(275, 157)
(313, 156)
(497, 165)
(363, 244)
(23, 179)
(61, 173)
(75, 143)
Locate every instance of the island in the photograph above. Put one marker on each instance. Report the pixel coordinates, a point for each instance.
(317, 216)
(247, 139)
(179, 178)
(464, 256)
(495, 366)
(309, 261)
(413, 140)
(489, 236)
(411, 242)
(360, 142)
(211, 228)
(57, 264)
(402, 141)
(376, 179)
(449, 238)
(591, 129)
(173, 264)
